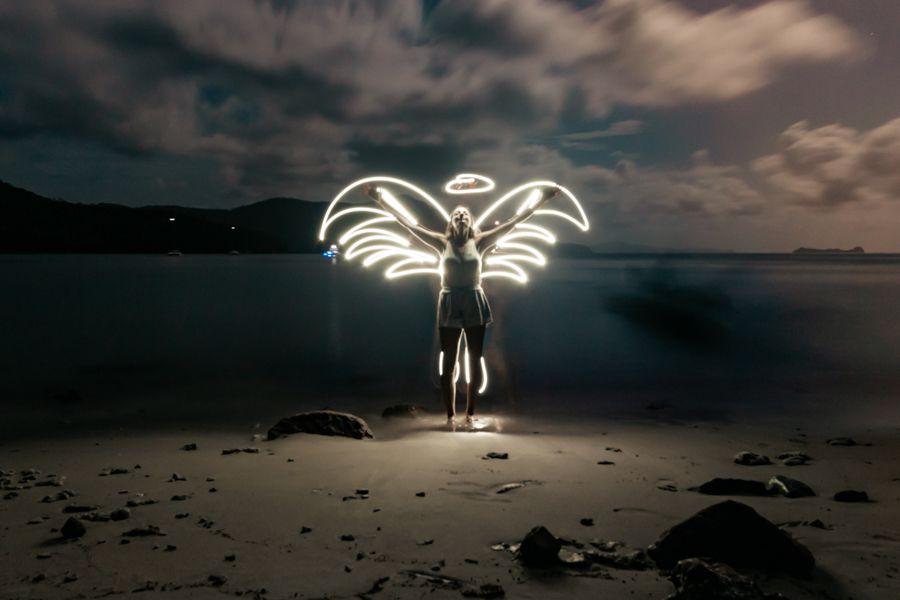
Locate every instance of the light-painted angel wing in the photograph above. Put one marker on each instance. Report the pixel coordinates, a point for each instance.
(518, 250)
(374, 237)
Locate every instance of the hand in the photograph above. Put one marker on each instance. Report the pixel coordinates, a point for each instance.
(371, 191)
(549, 193)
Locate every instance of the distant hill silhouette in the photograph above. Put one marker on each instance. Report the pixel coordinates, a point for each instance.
(32, 223)
(854, 250)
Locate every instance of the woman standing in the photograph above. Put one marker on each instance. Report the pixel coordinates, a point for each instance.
(462, 305)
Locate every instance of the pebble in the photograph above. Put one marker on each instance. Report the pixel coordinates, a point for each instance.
(851, 496)
(73, 529)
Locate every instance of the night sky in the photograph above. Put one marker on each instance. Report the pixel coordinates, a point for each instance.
(753, 126)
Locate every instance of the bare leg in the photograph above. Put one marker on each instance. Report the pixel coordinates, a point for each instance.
(475, 348)
(450, 349)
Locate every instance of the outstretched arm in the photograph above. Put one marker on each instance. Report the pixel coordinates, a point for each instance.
(432, 239)
(486, 239)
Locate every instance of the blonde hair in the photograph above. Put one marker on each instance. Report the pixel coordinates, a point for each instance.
(473, 230)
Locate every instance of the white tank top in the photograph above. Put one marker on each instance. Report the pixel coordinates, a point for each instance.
(461, 266)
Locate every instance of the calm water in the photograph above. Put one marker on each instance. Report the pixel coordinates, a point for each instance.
(767, 329)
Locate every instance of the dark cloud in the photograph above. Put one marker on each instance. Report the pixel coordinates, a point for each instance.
(298, 97)
(429, 163)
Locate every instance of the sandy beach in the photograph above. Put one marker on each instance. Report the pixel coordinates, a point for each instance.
(418, 510)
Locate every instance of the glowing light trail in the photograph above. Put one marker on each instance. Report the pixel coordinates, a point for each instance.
(483, 377)
(327, 220)
(581, 224)
(395, 204)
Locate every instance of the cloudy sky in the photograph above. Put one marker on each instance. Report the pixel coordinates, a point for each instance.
(751, 125)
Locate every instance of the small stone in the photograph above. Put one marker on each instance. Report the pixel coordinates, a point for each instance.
(612, 449)
(250, 450)
(427, 542)
(180, 497)
(587, 522)
(347, 537)
(304, 530)
(540, 548)
(114, 471)
(851, 496)
(842, 441)
(605, 462)
(667, 487)
(170, 548)
(751, 459)
(722, 486)
(79, 508)
(182, 515)
(148, 531)
(794, 459)
(120, 514)
(790, 488)
(485, 590)
(230, 558)
(135, 502)
(697, 579)
(228, 451)
(216, 580)
(496, 456)
(420, 494)
(177, 477)
(73, 529)
(322, 422)
(189, 447)
(362, 491)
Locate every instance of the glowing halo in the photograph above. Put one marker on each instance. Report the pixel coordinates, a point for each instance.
(469, 183)
(483, 377)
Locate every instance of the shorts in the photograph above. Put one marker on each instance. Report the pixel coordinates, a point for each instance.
(463, 307)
